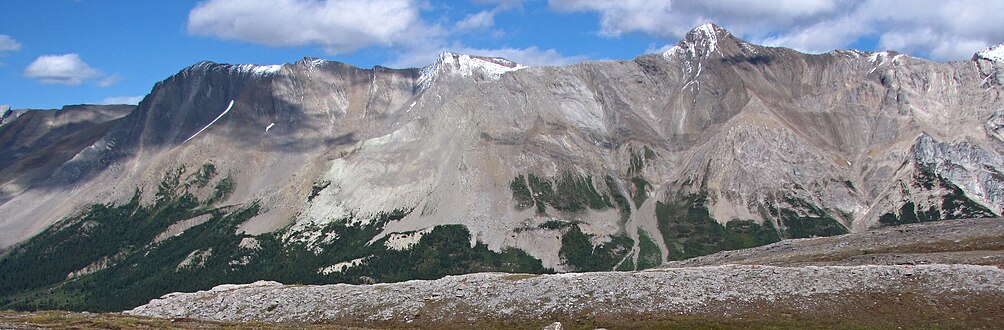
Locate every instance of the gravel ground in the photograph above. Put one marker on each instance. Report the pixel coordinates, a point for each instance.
(709, 291)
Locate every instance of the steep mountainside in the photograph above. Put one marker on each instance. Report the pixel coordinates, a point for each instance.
(36, 142)
(320, 172)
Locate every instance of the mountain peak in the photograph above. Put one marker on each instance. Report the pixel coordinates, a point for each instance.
(706, 30)
(467, 66)
(992, 53)
(700, 41)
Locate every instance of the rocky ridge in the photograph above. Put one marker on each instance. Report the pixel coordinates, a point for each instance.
(523, 299)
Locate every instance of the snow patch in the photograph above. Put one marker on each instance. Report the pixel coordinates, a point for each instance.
(883, 57)
(993, 53)
(877, 56)
(212, 122)
(257, 70)
(269, 127)
(709, 36)
(316, 62)
(700, 42)
(467, 66)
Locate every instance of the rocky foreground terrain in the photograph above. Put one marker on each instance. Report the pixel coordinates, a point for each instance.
(807, 283)
(880, 295)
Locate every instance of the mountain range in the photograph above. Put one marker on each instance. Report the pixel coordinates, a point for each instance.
(322, 172)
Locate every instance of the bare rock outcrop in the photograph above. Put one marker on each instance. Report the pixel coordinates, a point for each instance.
(522, 299)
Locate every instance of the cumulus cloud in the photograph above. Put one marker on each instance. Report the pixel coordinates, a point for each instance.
(339, 26)
(67, 69)
(944, 30)
(347, 25)
(949, 30)
(123, 100)
(8, 44)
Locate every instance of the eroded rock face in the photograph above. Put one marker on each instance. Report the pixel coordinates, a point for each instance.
(975, 170)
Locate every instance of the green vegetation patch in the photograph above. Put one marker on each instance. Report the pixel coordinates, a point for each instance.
(223, 189)
(556, 224)
(521, 193)
(637, 160)
(649, 255)
(954, 205)
(577, 251)
(569, 192)
(34, 275)
(627, 265)
(688, 230)
(640, 190)
(804, 220)
(624, 208)
(908, 214)
(202, 177)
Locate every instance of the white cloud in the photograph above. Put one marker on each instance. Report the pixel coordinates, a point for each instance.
(123, 99)
(109, 80)
(66, 69)
(342, 26)
(819, 38)
(675, 18)
(944, 30)
(481, 20)
(503, 4)
(339, 26)
(8, 44)
(948, 30)
(622, 16)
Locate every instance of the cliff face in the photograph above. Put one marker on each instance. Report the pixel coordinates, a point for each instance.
(715, 144)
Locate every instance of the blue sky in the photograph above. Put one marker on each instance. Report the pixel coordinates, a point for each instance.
(59, 52)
